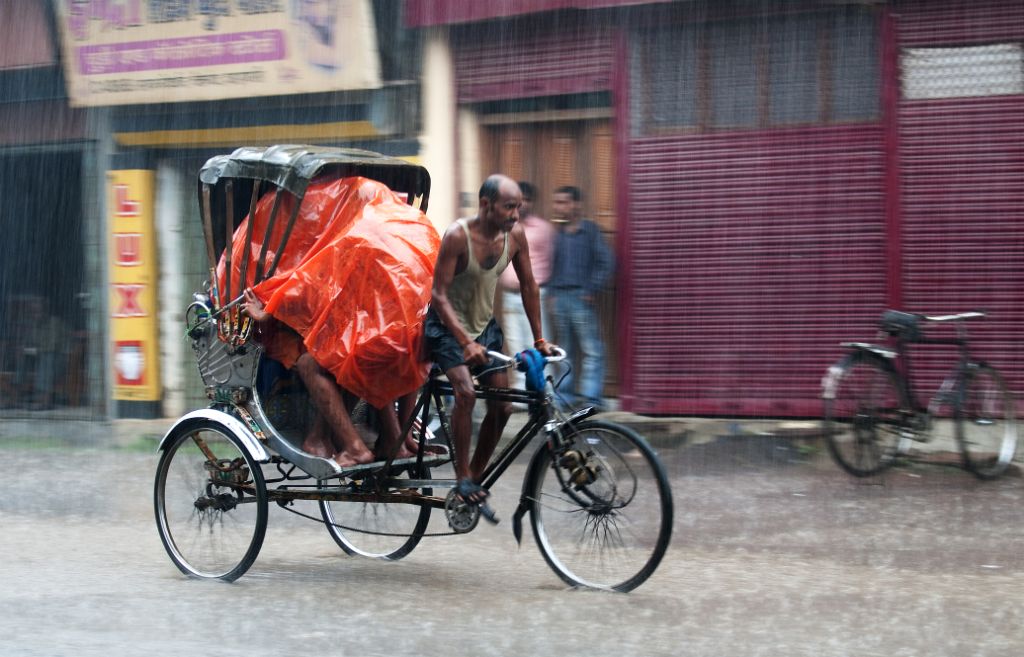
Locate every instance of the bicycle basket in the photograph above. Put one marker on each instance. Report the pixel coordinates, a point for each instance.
(905, 326)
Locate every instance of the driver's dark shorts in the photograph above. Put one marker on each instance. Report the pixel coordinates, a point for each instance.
(444, 349)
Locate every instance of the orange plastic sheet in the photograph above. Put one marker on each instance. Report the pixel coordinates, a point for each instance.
(353, 281)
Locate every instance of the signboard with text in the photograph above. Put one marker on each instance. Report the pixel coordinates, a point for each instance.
(133, 278)
(120, 52)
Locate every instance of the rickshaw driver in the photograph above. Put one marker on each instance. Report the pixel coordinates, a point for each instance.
(332, 419)
(460, 326)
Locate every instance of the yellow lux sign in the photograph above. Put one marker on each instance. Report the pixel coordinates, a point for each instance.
(133, 278)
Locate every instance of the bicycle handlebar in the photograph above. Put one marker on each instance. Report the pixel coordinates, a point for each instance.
(560, 355)
(953, 318)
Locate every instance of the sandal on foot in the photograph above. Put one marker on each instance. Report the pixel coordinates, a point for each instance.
(468, 490)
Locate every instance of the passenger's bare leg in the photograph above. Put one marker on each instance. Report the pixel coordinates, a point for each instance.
(318, 441)
(350, 401)
(406, 405)
(390, 432)
(327, 398)
(492, 427)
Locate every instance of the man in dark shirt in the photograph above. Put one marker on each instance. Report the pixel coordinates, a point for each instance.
(583, 265)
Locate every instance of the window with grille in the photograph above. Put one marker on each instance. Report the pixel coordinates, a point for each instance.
(798, 69)
(989, 70)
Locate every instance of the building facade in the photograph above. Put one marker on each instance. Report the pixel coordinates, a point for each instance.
(110, 109)
(772, 175)
(51, 256)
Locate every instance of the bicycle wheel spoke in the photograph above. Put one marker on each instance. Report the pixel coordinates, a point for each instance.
(211, 527)
(602, 509)
(863, 420)
(375, 529)
(986, 423)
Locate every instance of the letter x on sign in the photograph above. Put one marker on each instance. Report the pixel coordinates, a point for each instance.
(127, 300)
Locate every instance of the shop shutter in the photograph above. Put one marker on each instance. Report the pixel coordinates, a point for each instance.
(25, 33)
(753, 254)
(962, 168)
(524, 64)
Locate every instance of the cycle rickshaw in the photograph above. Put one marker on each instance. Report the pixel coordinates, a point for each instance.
(598, 498)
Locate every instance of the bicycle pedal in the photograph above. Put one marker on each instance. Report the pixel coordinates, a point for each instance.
(488, 513)
(462, 516)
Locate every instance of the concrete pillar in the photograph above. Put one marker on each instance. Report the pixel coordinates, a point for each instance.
(171, 244)
(437, 142)
(95, 164)
(471, 171)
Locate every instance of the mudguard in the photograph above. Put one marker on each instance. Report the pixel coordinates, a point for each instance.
(878, 350)
(532, 471)
(883, 356)
(231, 423)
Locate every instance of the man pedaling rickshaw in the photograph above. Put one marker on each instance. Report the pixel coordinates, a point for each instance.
(460, 325)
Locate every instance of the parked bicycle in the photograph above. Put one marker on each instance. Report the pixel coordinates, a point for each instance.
(873, 415)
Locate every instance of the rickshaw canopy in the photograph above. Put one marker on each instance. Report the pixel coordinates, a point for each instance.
(332, 250)
(292, 167)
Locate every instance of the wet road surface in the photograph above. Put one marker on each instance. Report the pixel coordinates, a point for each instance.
(773, 553)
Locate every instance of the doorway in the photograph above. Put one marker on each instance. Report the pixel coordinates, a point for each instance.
(557, 153)
(44, 335)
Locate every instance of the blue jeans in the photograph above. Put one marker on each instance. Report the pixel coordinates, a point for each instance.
(580, 335)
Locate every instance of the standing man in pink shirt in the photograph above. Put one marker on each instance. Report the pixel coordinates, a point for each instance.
(540, 236)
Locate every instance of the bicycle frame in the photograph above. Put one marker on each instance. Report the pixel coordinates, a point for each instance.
(540, 419)
(390, 489)
(902, 363)
(881, 412)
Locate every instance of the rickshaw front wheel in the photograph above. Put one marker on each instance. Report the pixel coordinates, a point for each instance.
(210, 500)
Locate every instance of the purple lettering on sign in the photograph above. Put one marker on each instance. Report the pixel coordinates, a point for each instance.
(185, 52)
(110, 14)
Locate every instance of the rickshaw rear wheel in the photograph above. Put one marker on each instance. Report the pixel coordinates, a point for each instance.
(378, 530)
(210, 499)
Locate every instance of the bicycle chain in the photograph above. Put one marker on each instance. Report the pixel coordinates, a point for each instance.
(364, 531)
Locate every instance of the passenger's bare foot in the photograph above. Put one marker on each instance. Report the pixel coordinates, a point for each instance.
(347, 459)
(409, 448)
(317, 446)
(412, 446)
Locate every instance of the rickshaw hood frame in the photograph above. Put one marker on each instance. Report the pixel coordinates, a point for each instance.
(292, 167)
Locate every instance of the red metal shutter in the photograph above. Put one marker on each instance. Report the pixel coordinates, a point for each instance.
(962, 167)
(526, 64)
(753, 255)
(25, 33)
